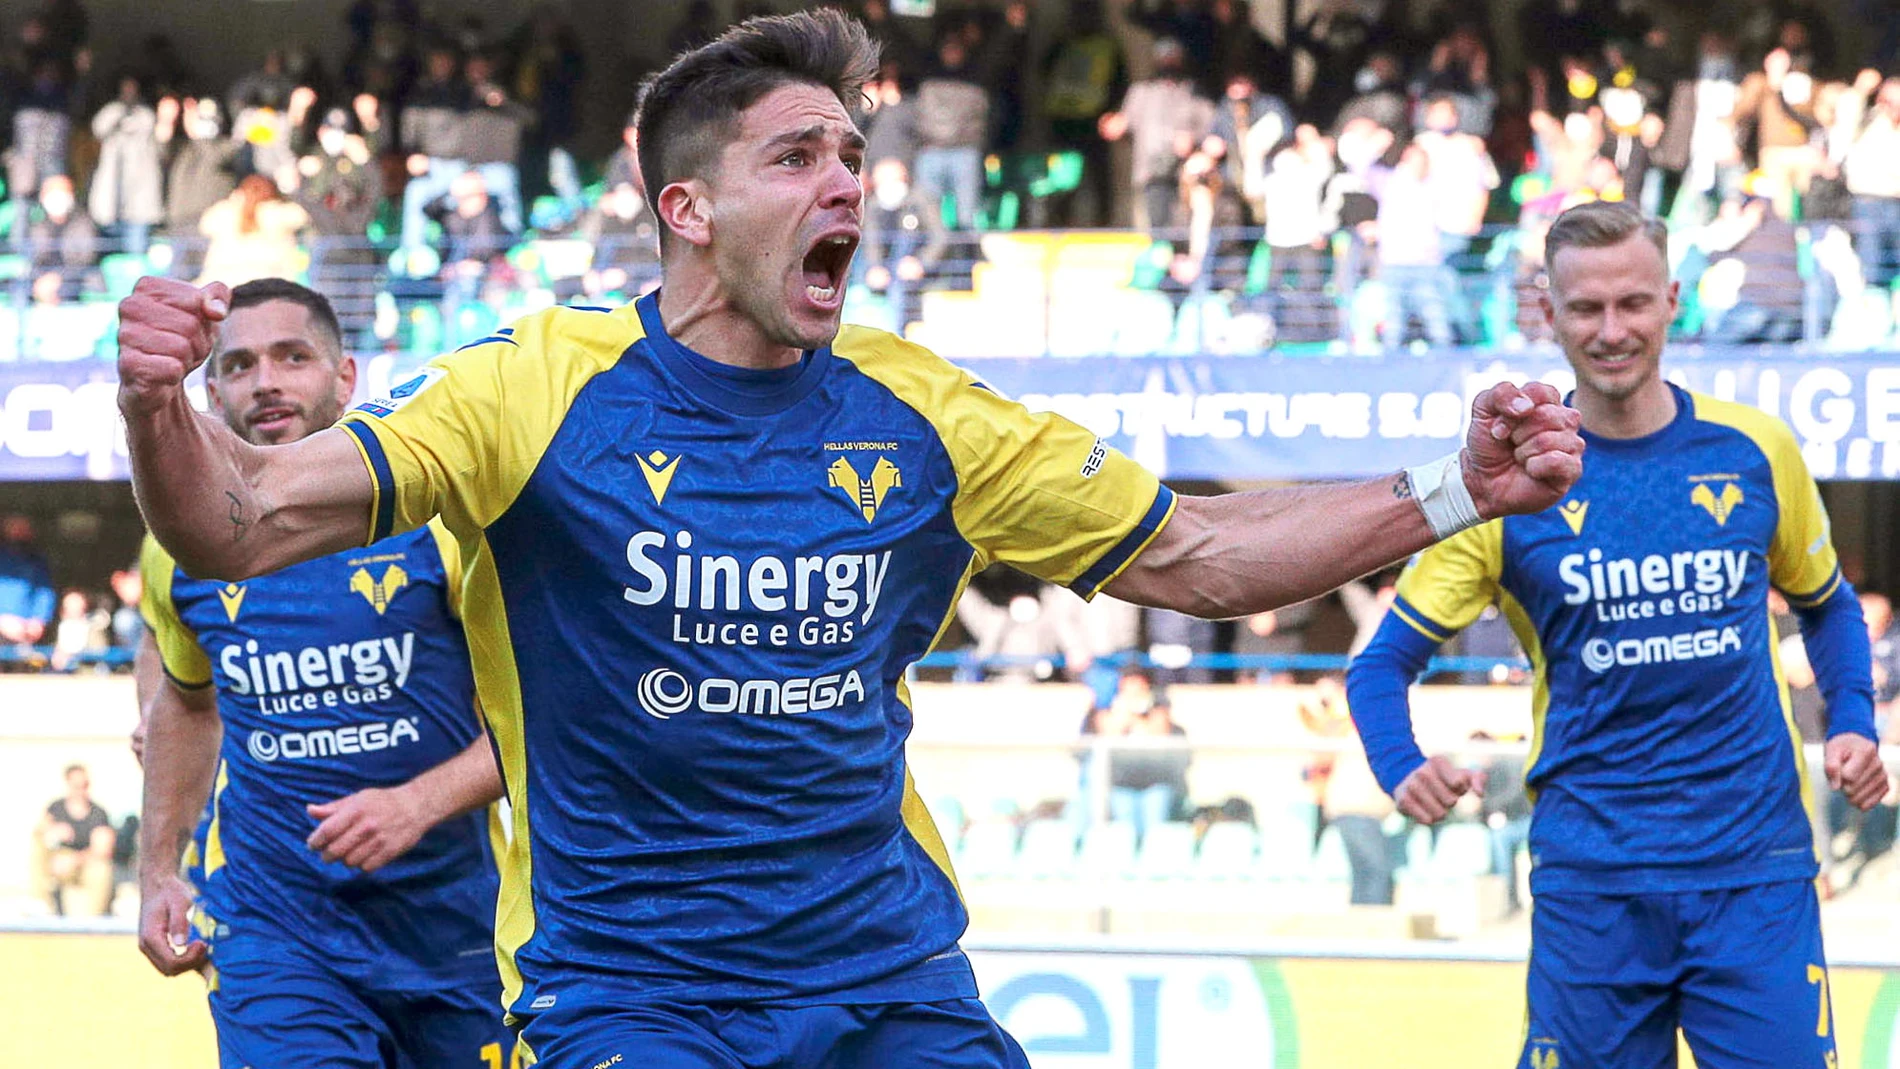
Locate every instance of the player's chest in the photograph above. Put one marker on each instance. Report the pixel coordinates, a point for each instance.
(1669, 537)
(677, 497)
(363, 615)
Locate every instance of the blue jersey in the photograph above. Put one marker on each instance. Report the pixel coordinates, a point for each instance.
(337, 674)
(1665, 755)
(693, 594)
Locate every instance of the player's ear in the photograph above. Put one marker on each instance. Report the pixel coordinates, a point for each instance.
(686, 209)
(683, 209)
(345, 380)
(1675, 298)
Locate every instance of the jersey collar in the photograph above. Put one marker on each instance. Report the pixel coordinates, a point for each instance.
(741, 391)
(1685, 414)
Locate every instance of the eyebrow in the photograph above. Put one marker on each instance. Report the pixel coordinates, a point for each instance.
(815, 132)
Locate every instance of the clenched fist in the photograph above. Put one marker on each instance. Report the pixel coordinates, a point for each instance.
(1523, 452)
(167, 327)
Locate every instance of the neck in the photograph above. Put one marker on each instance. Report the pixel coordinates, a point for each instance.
(700, 316)
(76, 801)
(1648, 410)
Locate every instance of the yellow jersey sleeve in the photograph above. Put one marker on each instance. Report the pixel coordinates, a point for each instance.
(1034, 490)
(1444, 589)
(460, 438)
(1801, 560)
(184, 660)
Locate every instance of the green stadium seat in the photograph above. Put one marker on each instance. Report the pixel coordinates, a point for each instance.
(1286, 850)
(12, 265)
(121, 271)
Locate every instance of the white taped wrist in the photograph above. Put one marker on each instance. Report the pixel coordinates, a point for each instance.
(1441, 493)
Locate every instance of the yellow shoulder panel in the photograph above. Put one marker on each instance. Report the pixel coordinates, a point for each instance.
(1033, 489)
(471, 426)
(1801, 559)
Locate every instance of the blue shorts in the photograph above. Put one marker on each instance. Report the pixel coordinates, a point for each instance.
(1740, 971)
(275, 1003)
(958, 1034)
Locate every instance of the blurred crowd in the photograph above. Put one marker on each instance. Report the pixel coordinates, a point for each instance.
(1366, 174)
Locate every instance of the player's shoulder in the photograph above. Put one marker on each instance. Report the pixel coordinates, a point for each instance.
(564, 333)
(1767, 433)
(155, 562)
(914, 373)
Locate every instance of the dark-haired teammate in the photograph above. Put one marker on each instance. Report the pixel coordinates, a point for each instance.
(345, 879)
(707, 533)
(1671, 855)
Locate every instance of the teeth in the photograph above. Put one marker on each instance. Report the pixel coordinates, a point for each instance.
(838, 240)
(821, 293)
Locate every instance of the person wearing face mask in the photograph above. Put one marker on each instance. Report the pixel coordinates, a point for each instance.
(903, 238)
(198, 166)
(341, 188)
(127, 194)
(1164, 118)
(61, 241)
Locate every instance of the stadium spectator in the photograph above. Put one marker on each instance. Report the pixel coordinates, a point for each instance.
(128, 588)
(1275, 633)
(430, 137)
(1753, 285)
(1885, 637)
(952, 122)
(1165, 120)
(1506, 810)
(268, 87)
(60, 242)
(1411, 250)
(623, 167)
(896, 44)
(1084, 74)
(1460, 68)
(26, 586)
(1776, 111)
(72, 847)
(253, 234)
(1249, 126)
(1189, 24)
(1148, 773)
(1094, 637)
(903, 239)
(42, 128)
(490, 136)
(545, 71)
(1174, 640)
(127, 197)
(1301, 219)
(626, 258)
(1349, 797)
(1701, 137)
(200, 167)
(1872, 168)
(340, 187)
(81, 630)
(698, 25)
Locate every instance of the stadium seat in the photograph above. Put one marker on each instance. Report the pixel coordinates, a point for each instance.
(947, 814)
(121, 271)
(1331, 867)
(1108, 850)
(1463, 850)
(988, 850)
(1167, 852)
(1418, 850)
(1048, 850)
(1228, 852)
(1286, 850)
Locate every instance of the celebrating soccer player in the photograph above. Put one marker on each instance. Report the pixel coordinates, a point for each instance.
(345, 876)
(708, 532)
(1671, 854)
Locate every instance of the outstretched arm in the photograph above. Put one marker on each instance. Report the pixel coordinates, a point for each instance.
(1239, 554)
(224, 508)
(373, 827)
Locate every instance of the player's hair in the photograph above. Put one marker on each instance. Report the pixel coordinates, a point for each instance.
(1600, 223)
(72, 768)
(266, 290)
(689, 111)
